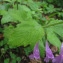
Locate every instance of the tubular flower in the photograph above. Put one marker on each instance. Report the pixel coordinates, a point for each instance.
(49, 54)
(59, 59)
(36, 53)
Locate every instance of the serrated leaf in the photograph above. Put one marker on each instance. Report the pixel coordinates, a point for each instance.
(50, 8)
(53, 28)
(57, 26)
(52, 38)
(7, 18)
(34, 5)
(13, 15)
(28, 32)
(59, 31)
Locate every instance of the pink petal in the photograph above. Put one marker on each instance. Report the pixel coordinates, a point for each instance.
(36, 52)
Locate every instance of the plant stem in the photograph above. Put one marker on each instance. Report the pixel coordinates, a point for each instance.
(52, 24)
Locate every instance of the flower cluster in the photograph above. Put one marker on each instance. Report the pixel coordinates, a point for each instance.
(49, 54)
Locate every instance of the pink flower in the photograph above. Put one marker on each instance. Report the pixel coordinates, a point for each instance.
(49, 54)
(59, 59)
(36, 53)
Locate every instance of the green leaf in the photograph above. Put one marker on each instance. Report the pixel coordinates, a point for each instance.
(28, 32)
(1, 30)
(52, 38)
(2, 9)
(56, 26)
(6, 60)
(59, 31)
(7, 0)
(34, 5)
(13, 61)
(13, 56)
(18, 59)
(13, 15)
(50, 1)
(1, 43)
(50, 8)
(42, 48)
(27, 50)
(7, 18)
(53, 28)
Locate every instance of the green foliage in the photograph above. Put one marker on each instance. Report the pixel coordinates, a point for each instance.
(56, 2)
(55, 41)
(6, 60)
(27, 50)
(37, 19)
(13, 15)
(42, 48)
(52, 31)
(28, 32)
(14, 58)
(2, 9)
